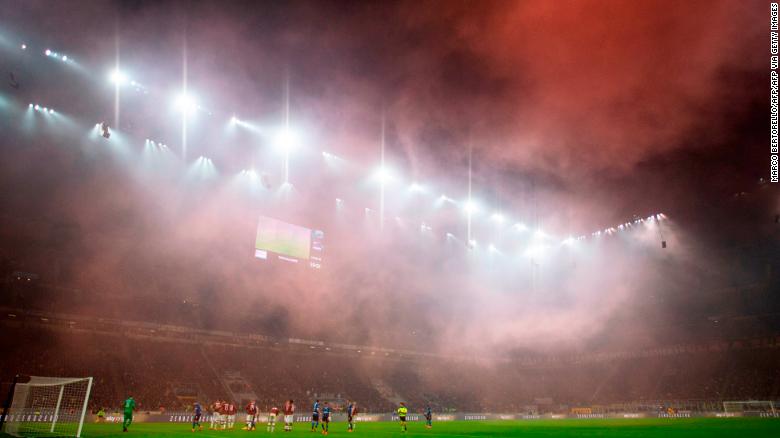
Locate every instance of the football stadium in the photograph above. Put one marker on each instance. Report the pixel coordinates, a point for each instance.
(423, 218)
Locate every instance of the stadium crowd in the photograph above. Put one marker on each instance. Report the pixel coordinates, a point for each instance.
(168, 374)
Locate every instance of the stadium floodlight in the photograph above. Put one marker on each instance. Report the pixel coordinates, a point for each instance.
(520, 226)
(65, 58)
(37, 107)
(498, 218)
(117, 77)
(233, 120)
(383, 175)
(492, 248)
(286, 139)
(24, 46)
(470, 207)
(417, 188)
(30, 105)
(445, 198)
(47, 52)
(186, 103)
(51, 111)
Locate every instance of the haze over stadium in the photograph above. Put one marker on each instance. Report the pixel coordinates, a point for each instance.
(468, 185)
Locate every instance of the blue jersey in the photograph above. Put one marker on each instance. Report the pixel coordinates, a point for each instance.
(325, 412)
(349, 409)
(428, 412)
(198, 409)
(316, 408)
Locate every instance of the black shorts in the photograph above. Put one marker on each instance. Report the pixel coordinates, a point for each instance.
(315, 417)
(402, 418)
(326, 418)
(349, 418)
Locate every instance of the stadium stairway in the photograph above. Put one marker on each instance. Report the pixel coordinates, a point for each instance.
(386, 391)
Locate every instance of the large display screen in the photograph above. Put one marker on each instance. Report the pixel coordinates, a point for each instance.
(287, 242)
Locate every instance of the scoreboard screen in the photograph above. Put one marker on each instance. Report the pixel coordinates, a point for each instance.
(279, 240)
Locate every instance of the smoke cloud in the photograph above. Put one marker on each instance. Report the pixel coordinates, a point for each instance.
(577, 115)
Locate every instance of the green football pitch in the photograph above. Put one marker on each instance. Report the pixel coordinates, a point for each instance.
(661, 428)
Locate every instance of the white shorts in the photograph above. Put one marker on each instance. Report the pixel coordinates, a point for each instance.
(288, 418)
(272, 418)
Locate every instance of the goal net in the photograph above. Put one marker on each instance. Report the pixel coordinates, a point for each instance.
(48, 406)
(749, 406)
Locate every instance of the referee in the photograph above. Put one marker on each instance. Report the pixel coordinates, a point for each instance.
(402, 416)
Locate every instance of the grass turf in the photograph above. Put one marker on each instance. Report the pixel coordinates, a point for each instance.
(649, 427)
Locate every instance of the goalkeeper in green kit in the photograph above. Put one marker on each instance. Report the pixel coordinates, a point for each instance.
(129, 408)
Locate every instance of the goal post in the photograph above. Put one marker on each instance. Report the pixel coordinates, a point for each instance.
(749, 406)
(47, 406)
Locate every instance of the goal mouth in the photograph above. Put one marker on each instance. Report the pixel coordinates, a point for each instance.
(39, 406)
(750, 406)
